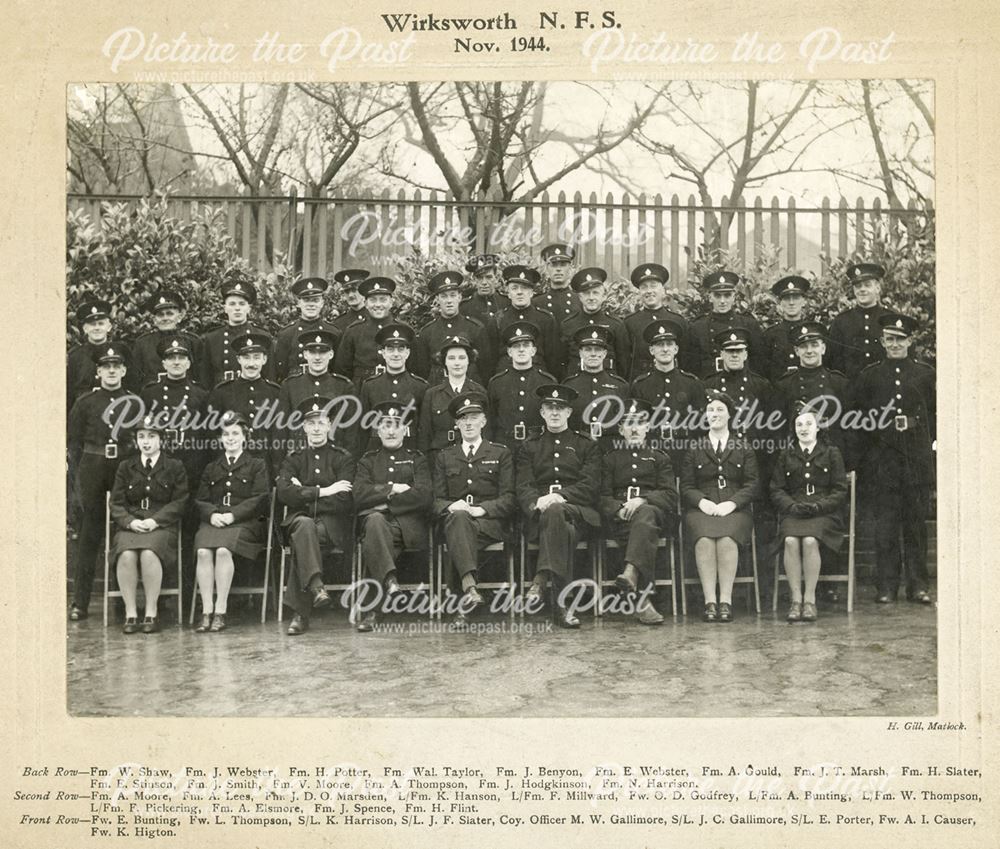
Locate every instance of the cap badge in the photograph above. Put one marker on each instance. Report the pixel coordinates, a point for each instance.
(555, 393)
(899, 323)
(93, 310)
(732, 337)
(319, 338)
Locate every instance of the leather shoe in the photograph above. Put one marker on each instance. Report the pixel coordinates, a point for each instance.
(794, 612)
(321, 598)
(218, 623)
(150, 625)
(883, 598)
(475, 598)
(76, 613)
(205, 625)
(809, 612)
(711, 612)
(624, 584)
(565, 619)
(725, 612)
(366, 624)
(923, 597)
(648, 615)
(298, 625)
(131, 625)
(391, 586)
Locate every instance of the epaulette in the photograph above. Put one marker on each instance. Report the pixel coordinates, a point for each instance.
(569, 377)
(151, 383)
(642, 376)
(687, 374)
(275, 385)
(225, 382)
(870, 366)
(584, 435)
(495, 444)
(339, 448)
(371, 377)
(542, 309)
(475, 320)
(834, 371)
(544, 373)
(498, 374)
(416, 376)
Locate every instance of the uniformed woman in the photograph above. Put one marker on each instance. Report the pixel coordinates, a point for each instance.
(718, 483)
(808, 488)
(147, 501)
(437, 425)
(231, 502)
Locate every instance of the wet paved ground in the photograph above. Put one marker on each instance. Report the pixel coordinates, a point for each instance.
(877, 661)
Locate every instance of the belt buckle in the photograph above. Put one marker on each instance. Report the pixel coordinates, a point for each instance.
(227, 500)
(111, 451)
(379, 369)
(555, 487)
(718, 363)
(810, 489)
(469, 500)
(596, 431)
(451, 435)
(631, 492)
(666, 432)
(228, 375)
(902, 423)
(173, 436)
(520, 432)
(144, 504)
(722, 481)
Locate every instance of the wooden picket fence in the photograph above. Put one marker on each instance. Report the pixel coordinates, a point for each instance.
(319, 235)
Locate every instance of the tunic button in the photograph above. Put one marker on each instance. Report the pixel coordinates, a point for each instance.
(807, 474)
(391, 469)
(521, 393)
(395, 382)
(633, 480)
(634, 466)
(899, 397)
(317, 471)
(520, 409)
(556, 455)
(555, 469)
(897, 383)
(469, 480)
(558, 442)
(523, 378)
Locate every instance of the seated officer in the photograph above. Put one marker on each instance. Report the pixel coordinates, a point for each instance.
(513, 403)
(357, 355)
(315, 381)
(558, 480)
(588, 283)
(485, 302)
(395, 385)
(638, 501)
(559, 298)
(779, 345)
(167, 309)
(437, 425)
(446, 289)
(594, 382)
(315, 485)
(289, 355)
(474, 493)
(392, 494)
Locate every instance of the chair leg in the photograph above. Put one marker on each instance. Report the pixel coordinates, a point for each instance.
(107, 556)
(756, 585)
(281, 584)
(673, 578)
(194, 599)
(777, 578)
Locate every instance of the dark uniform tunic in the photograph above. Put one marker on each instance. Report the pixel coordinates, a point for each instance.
(897, 464)
(298, 388)
(401, 388)
(549, 355)
(239, 488)
(484, 307)
(704, 354)
(313, 520)
(806, 385)
(258, 401)
(147, 365)
(437, 426)
(644, 472)
(816, 478)
(514, 407)
(572, 462)
(617, 359)
(159, 493)
(186, 403)
(486, 479)
(346, 319)
(81, 369)
(289, 353)
(218, 359)
(430, 339)
(855, 340)
(357, 356)
(391, 523)
(745, 388)
(729, 476)
(683, 398)
(640, 360)
(779, 352)
(590, 386)
(94, 455)
(562, 303)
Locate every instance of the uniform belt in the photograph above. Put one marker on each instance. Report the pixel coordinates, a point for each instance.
(107, 450)
(905, 422)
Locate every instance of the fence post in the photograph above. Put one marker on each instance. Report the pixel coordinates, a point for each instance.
(323, 221)
(758, 228)
(775, 224)
(741, 230)
(792, 235)
(859, 228)
(692, 237)
(842, 227)
(609, 241)
(675, 241)
(824, 223)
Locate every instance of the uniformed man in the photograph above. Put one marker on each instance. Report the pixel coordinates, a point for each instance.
(348, 279)
(559, 298)
(558, 481)
(317, 381)
(676, 396)
(855, 335)
(446, 289)
(392, 493)
(639, 503)
(721, 289)
(289, 355)
(812, 385)
(437, 424)
(97, 441)
(168, 310)
(357, 357)
(253, 397)
(897, 460)
(600, 394)
(94, 317)
(485, 302)
(588, 283)
(650, 280)
(315, 484)
(395, 385)
(218, 361)
(473, 493)
(752, 394)
(779, 351)
(514, 407)
(522, 282)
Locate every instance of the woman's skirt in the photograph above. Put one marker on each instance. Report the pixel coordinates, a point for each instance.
(241, 538)
(737, 525)
(828, 529)
(162, 542)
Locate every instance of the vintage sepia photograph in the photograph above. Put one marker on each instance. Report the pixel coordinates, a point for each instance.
(501, 399)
